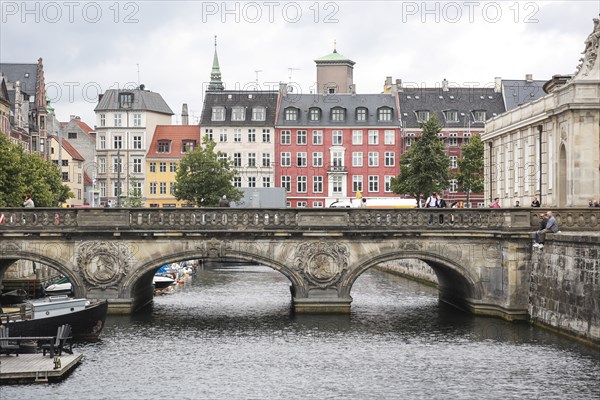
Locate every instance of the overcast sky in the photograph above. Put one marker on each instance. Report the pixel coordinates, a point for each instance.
(89, 47)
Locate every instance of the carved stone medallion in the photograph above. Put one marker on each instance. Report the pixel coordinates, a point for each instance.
(322, 263)
(103, 263)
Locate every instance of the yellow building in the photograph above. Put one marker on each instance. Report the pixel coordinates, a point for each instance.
(169, 144)
(71, 168)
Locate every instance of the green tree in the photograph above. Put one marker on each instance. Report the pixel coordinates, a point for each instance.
(424, 168)
(22, 173)
(204, 176)
(134, 197)
(470, 173)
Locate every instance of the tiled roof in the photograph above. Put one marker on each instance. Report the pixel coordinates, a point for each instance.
(86, 179)
(25, 73)
(176, 134)
(69, 149)
(238, 98)
(326, 102)
(143, 100)
(462, 100)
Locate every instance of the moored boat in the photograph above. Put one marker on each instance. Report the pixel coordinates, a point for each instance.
(42, 318)
(161, 281)
(62, 286)
(13, 297)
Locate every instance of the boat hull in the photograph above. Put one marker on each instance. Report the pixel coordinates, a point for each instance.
(13, 297)
(85, 324)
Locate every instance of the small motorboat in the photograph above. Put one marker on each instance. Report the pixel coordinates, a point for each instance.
(60, 287)
(161, 281)
(13, 297)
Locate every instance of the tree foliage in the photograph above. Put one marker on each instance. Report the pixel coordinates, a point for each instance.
(470, 173)
(204, 176)
(424, 168)
(134, 198)
(22, 173)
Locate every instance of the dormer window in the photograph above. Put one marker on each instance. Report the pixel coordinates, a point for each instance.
(259, 113)
(218, 114)
(384, 114)
(422, 116)
(291, 114)
(479, 116)
(338, 114)
(451, 115)
(361, 114)
(164, 146)
(125, 100)
(187, 146)
(314, 114)
(238, 113)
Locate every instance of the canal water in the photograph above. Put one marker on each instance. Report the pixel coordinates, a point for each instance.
(228, 333)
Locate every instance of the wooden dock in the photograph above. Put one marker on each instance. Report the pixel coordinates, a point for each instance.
(27, 368)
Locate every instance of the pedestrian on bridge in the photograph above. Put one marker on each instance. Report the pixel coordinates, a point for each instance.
(28, 203)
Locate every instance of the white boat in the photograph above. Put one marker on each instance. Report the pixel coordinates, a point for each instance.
(161, 281)
(59, 288)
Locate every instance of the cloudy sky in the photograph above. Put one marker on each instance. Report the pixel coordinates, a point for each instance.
(89, 47)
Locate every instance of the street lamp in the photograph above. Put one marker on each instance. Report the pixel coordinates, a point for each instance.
(119, 177)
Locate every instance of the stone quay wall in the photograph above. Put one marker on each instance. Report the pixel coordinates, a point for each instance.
(565, 285)
(412, 269)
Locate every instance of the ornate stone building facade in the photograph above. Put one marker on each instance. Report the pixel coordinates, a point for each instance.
(550, 148)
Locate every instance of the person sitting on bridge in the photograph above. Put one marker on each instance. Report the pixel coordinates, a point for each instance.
(549, 225)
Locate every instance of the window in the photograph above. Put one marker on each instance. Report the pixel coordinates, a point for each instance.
(251, 181)
(251, 135)
(317, 137)
(163, 187)
(422, 116)
(102, 119)
(118, 142)
(291, 114)
(357, 183)
(125, 100)
(338, 114)
(286, 137)
(389, 137)
(301, 184)
(137, 165)
(266, 160)
(72, 135)
(136, 187)
(117, 165)
(384, 114)
(164, 146)
(453, 186)
(117, 119)
(237, 159)
(152, 167)
(172, 187)
(337, 159)
(172, 167)
(266, 133)
(137, 120)
(238, 113)
(357, 158)
(286, 159)
(102, 186)
(101, 165)
(152, 187)
(373, 159)
(117, 188)
(317, 184)
(137, 142)
(453, 140)
(209, 132)
(237, 135)
(302, 204)
(373, 183)
(237, 181)
(102, 142)
(357, 137)
(361, 114)
(301, 158)
(466, 138)
(337, 138)
(317, 159)
(451, 115)
(336, 184)
(65, 177)
(266, 181)
(188, 146)
(301, 137)
(259, 113)
(317, 204)
(479, 116)
(223, 136)
(286, 182)
(387, 183)
(252, 159)
(389, 159)
(453, 162)
(314, 114)
(218, 114)
(65, 163)
(373, 137)
(162, 166)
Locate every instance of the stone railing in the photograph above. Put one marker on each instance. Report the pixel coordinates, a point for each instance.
(60, 220)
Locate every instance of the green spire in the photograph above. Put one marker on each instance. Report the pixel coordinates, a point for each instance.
(215, 75)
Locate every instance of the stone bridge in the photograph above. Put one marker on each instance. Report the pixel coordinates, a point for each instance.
(481, 256)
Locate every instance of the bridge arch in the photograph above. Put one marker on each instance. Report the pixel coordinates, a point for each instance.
(456, 284)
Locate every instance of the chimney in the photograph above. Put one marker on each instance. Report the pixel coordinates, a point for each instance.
(445, 85)
(529, 77)
(399, 85)
(388, 81)
(497, 84)
(352, 88)
(184, 115)
(74, 117)
(282, 89)
(100, 97)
